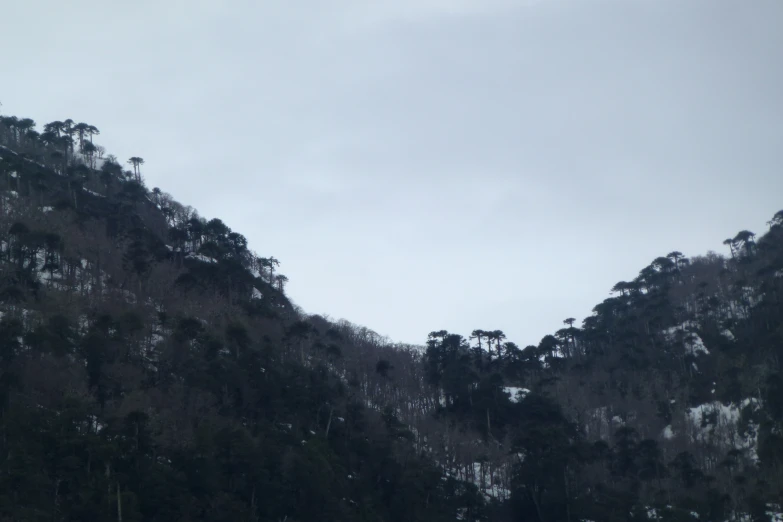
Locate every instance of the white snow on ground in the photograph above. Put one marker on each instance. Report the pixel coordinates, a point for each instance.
(693, 343)
(661, 514)
(93, 193)
(727, 334)
(516, 393)
(489, 480)
(84, 323)
(201, 258)
(775, 512)
(717, 423)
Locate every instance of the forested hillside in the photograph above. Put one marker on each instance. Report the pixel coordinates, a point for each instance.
(154, 369)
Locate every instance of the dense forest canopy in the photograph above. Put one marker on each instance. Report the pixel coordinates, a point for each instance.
(153, 368)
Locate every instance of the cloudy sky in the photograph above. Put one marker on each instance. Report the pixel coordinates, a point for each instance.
(430, 164)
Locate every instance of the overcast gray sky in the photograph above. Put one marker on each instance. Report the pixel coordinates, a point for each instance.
(430, 164)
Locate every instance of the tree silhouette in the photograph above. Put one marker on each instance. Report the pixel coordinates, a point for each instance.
(622, 287)
(55, 127)
(136, 162)
(675, 256)
(92, 130)
(270, 264)
(281, 280)
(66, 143)
(26, 129)
(80, 129)
(744, 240)
(478, 335)
(48, 138)
(777, 219)
(90, 151)
(68, 132)
(498, 336)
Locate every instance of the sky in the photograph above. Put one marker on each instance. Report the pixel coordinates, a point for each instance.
(419, 165)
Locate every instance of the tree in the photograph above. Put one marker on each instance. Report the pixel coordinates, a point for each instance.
(478, 335)
(90, 151)
(76, 175)
(281, 280)
(80, 129)
(544, 449)
(621, 287)
(25, 127)
(55, 127)
(495, 335)
(92, 130)
(664, 265)
(270, 263)
(11, 122)
(777, 219)
(48, 138)
(110, 172)
(66, 143)
(136, 162)
(68, 132)
(744, 240)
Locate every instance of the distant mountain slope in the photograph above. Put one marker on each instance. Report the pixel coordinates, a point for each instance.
(672, 385)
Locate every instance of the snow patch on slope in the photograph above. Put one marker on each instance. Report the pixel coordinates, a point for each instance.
(718, 423)
(93, 193)
(201, 257)
(517, 393)
(687, 332)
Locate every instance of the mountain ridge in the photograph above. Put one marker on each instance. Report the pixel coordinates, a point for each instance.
(648, 404)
